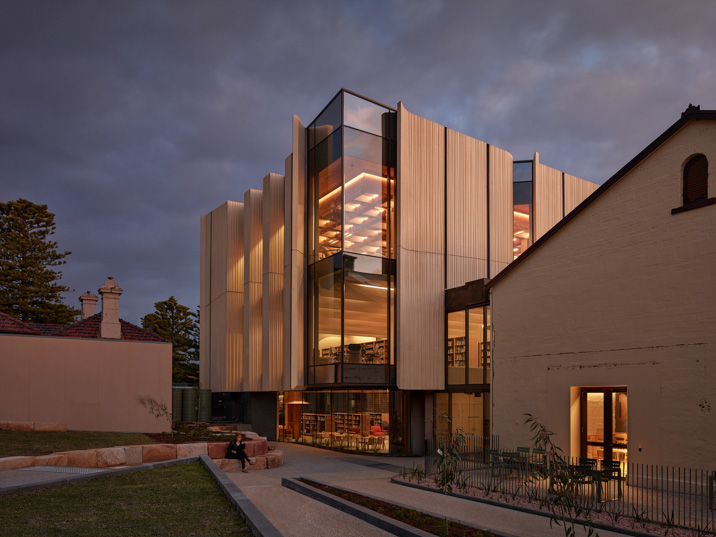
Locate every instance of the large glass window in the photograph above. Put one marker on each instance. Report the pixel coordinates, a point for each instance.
(356, 420)
(351, 185)
(325, 191)
(456, 347)
(367, 296)
(368, 173)
(522, 206)
(468, 346)
(324, 323)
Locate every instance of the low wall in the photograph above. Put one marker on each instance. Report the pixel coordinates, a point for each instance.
(257, 450)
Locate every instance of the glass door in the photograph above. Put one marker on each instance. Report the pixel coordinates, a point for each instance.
(604, 424)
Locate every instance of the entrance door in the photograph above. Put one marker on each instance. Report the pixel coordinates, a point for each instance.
(604, 424)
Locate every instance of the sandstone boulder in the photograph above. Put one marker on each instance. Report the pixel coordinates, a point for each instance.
(192, 450)
(54, 459)
(133, 455)
(49, 426)
(159, 452)
(260, 445)
(86, 458)
(217, 450)
(15, 463)
(19, 426)
(111, 457)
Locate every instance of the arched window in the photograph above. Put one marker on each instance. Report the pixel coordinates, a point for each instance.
(696, 174)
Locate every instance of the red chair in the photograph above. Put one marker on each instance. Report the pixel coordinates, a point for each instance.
(376, 430)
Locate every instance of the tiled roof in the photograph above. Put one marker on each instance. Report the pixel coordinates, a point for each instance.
(46, 329)
(88, 328)
(10, 325)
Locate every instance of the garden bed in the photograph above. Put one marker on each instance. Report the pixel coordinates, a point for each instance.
(412, 517)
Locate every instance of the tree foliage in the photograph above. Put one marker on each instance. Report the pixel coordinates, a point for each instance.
(176, 323)
(29, 288)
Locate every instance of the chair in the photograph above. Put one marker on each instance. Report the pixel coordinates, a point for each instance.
(612, 471)
(524, 452)
(376, 430)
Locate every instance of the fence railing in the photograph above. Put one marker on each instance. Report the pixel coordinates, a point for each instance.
(671, 496)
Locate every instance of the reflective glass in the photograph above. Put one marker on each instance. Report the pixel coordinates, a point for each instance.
(487, 357)
(367, 170)
(467, 413)
(367, 297)
(326, 123)
(326, 204)
(442, 413)
(522, 172)
(367, 116)
(324, 320)
(456, 347)
(476, 347)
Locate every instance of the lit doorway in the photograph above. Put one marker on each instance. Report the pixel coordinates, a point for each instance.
(604, 420)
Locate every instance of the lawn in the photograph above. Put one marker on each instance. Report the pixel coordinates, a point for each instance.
(178, 500)
(13, 443)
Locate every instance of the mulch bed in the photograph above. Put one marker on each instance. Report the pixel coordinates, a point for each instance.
(417, 519)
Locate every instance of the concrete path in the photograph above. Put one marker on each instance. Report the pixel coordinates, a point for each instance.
(295, 515)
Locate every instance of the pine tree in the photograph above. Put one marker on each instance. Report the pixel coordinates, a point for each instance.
(29, 288)
(175, 322)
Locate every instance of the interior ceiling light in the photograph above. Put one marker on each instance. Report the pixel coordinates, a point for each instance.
(355, 179)
(521, 215)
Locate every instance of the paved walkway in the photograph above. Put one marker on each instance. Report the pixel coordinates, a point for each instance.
(295, 515)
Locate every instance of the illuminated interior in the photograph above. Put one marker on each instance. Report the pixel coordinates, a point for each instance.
(521, 239)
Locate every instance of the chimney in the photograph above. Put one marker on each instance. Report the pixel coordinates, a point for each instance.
(110, 327)
(89, 304)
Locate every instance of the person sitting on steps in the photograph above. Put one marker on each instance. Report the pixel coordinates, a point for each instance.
(236, 451)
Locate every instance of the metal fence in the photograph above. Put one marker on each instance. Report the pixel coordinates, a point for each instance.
(670, 496)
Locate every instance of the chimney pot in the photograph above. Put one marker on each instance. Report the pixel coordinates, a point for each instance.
(89, 304)
(110, 327)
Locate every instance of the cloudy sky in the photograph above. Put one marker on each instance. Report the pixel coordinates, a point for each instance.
(131, 119)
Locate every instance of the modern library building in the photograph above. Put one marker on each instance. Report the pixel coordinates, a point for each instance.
(345, 304)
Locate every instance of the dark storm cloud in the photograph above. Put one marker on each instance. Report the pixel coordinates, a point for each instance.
(130, 119)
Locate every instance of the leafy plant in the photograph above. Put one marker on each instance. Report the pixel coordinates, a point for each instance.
(157, 409)
(449, 459)
(563, 496)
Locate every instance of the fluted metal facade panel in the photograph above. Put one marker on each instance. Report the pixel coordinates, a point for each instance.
(421, 251)
(576, 190)
(501, 209)
(234, 298)
(466, 215)
(219, 243)
(294, 260)
(205, 302)
(272, 301)
(253, 276)
(547, 199)
(217, 372)
(221, 289)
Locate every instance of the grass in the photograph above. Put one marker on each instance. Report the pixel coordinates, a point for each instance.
(417, 519)
(13, 443)
(178, 500)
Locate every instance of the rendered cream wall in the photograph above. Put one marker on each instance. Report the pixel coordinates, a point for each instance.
(623, 295)
(89, 384)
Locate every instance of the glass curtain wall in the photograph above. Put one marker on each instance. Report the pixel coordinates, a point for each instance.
(354, 420)
(468, 346)
(522, 206)
(351, 189)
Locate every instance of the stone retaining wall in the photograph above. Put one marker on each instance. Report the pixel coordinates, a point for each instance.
(256, 448)
(33, 426)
